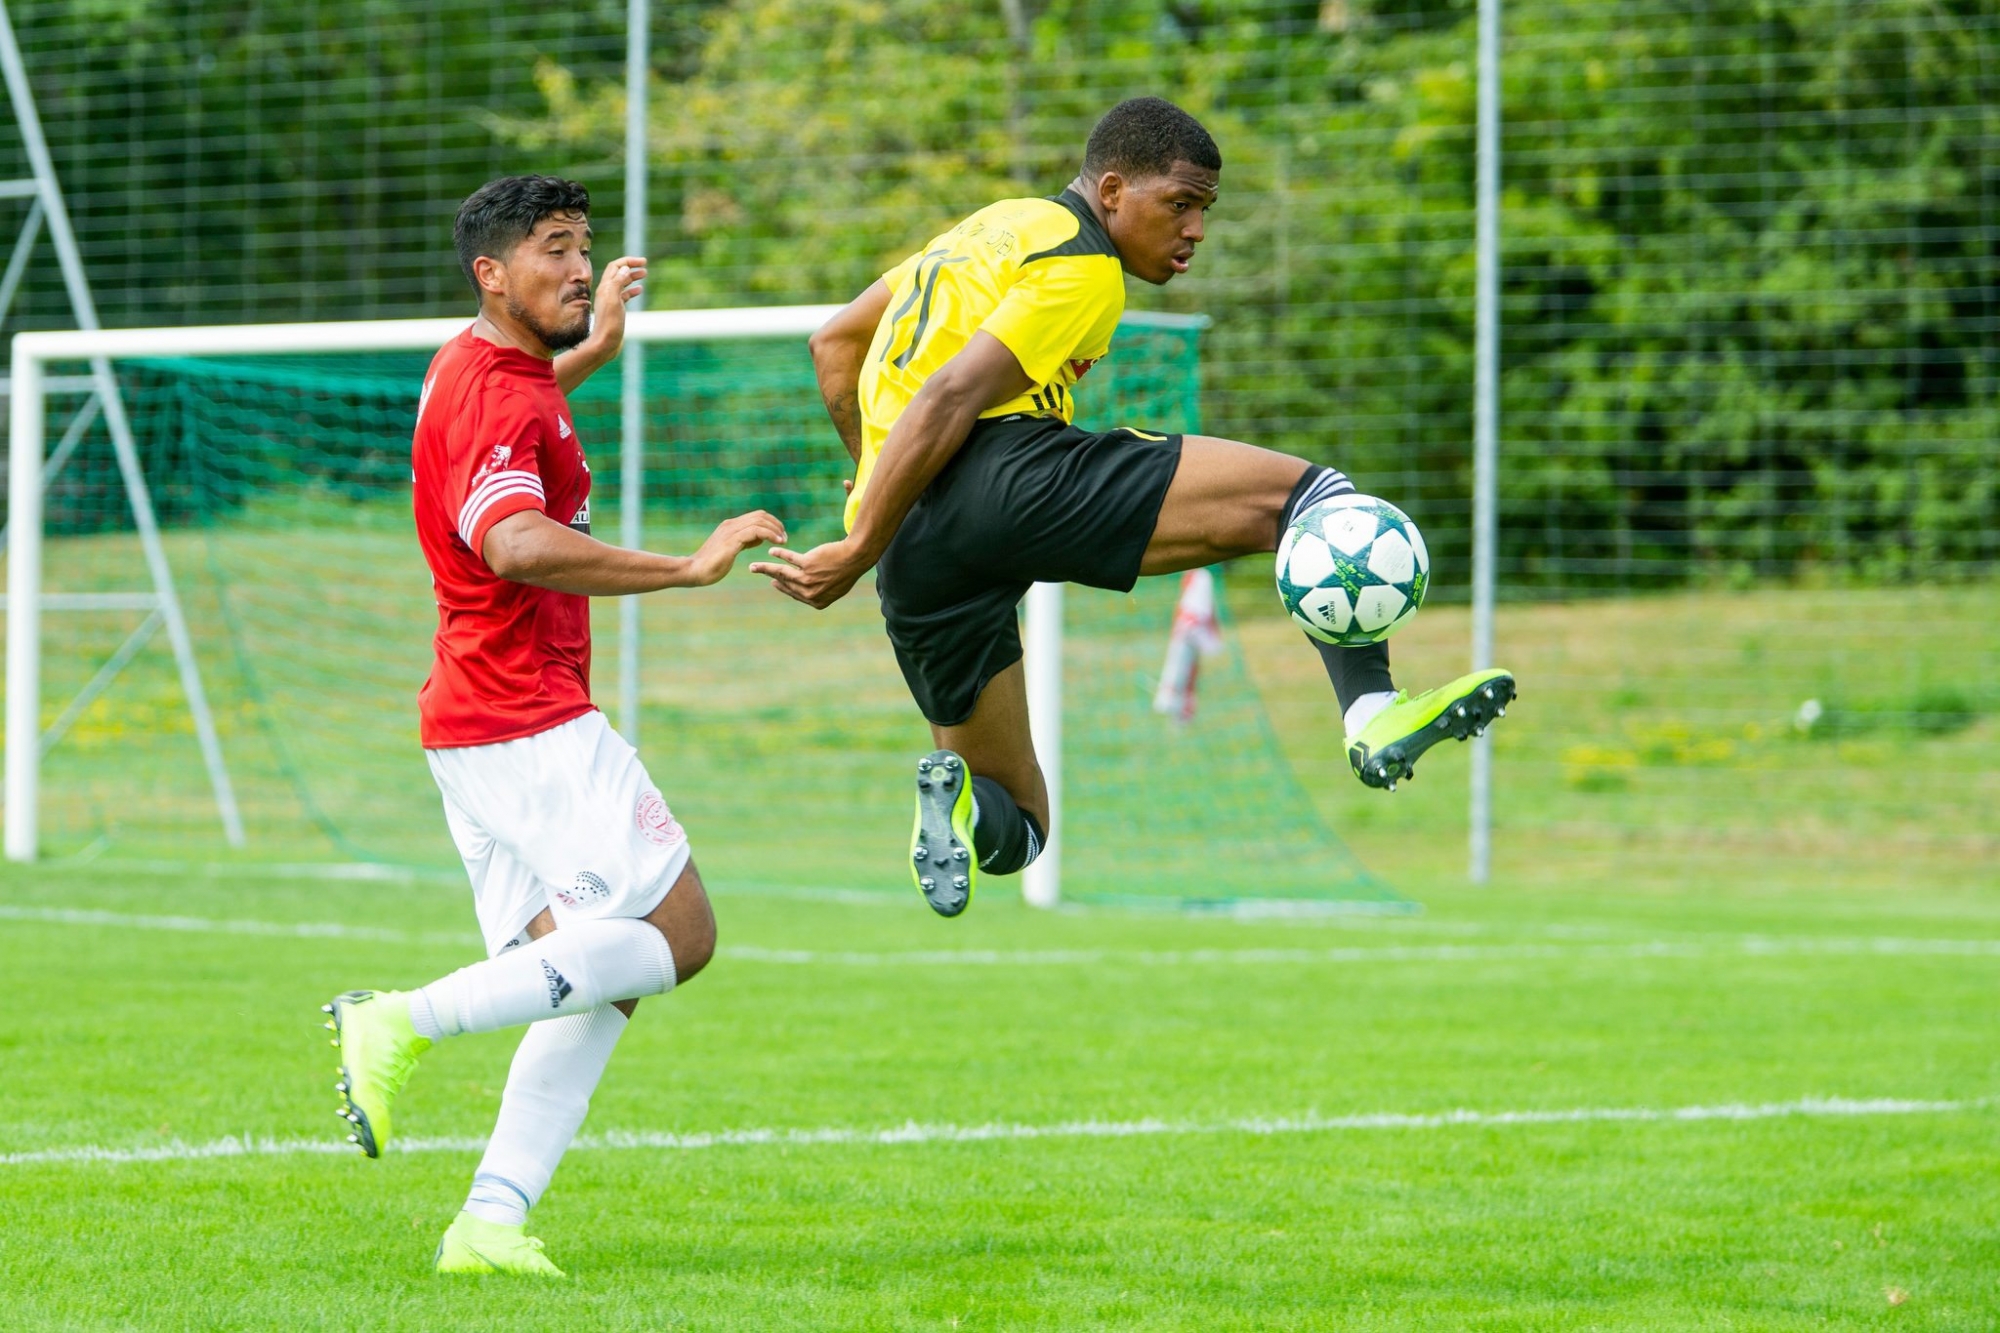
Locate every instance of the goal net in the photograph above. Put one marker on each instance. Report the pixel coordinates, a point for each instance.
(276, 462)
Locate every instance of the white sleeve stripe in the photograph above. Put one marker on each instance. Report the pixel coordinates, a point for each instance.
(487, 487)
(470, 520)
(488, 494)
(498, 478)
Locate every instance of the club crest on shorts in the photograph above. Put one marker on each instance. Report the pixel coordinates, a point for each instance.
(657, 824)
(589, 888)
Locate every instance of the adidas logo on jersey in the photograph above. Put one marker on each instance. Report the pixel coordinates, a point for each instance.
(562, 429)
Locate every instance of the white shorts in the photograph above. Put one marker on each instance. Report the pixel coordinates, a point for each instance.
(565, 819)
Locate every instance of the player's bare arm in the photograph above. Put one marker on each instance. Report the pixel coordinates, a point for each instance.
(934, 426)
(838, 349)
(623, 282)
(530, 547)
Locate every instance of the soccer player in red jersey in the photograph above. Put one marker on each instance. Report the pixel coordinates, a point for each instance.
(581, 877)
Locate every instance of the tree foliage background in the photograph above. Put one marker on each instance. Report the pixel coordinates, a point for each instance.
(1752, 249)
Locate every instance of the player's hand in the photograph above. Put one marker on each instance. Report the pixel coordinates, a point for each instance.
(624, 280)
(819, 577)
(731, 538)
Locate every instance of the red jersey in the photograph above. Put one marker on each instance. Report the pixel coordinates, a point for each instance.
(494, 438)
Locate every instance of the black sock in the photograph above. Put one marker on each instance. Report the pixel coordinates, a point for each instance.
(1005, 837)
(1353, 671)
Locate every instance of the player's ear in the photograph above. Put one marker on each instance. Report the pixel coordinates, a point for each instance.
(490, 274)
(1110, 189)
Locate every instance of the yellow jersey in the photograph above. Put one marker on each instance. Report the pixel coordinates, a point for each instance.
(1038, 274)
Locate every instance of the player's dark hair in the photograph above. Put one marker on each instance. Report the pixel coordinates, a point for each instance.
(500, 214)
(1145, 136)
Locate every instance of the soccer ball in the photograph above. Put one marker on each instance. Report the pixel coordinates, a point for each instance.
(1352, 570)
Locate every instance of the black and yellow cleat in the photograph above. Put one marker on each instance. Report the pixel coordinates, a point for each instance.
(1387, 750)
(941, 856)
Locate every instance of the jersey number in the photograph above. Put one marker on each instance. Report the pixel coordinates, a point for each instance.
(924, 287)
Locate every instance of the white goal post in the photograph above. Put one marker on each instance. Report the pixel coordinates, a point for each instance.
(35, 353)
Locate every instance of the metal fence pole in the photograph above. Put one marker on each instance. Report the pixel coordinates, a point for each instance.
(1485, 419)
(632, 400)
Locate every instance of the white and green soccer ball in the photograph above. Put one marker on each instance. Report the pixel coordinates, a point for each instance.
(1352, 570)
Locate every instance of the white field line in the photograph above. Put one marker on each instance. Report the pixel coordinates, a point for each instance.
(202, 925)
(1716, 946)
(913, 1133)
(1750, 946)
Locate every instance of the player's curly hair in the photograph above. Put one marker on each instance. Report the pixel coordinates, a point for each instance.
(500, 214)
(1145, 136)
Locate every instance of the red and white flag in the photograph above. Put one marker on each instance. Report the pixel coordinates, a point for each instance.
(1197, 633)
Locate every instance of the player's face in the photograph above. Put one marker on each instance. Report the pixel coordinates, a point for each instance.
(1156, 221)
(548, 281)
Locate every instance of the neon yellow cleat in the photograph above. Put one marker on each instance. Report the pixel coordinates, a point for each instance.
(378, 1052)
(1387, 749)
(475, 1245)
(941, 859)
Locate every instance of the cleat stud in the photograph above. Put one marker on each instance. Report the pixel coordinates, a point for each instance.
(334, 1043)
(951, 763)
(958, 854)
(1392, 786)
(959, 882)
(354, 1138)
(923, 765)
(921, 854)
(1501, 713)
(340, 1111)
(340, 1086)
(326, 1008)
(330, 1026)
(927, 883)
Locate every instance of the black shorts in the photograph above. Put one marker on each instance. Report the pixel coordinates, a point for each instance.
(1025, 500)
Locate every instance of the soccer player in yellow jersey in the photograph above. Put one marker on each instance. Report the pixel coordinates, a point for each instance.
(949, 380)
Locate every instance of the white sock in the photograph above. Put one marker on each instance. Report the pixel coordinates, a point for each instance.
(1363, 710)
(568, 971)
(548, 1093)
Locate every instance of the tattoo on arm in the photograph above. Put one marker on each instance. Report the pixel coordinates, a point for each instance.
(846, 414)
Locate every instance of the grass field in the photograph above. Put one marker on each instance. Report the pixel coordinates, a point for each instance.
(1714, 1050)
(862, 1117)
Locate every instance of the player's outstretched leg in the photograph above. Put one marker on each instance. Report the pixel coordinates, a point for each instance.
(586, 964)
(1229, 499)
(378, 1052)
